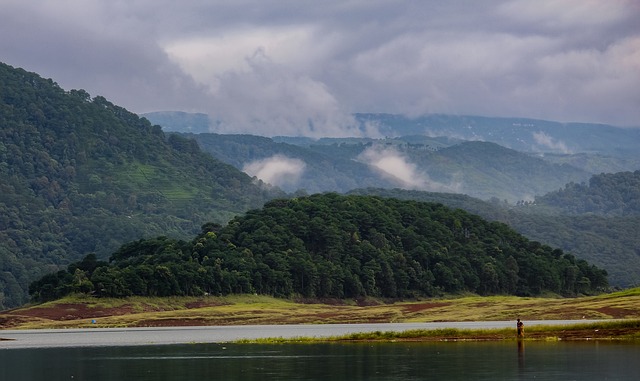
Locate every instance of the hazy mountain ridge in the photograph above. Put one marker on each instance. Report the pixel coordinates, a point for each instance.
(594, 149)
(520, 134)
(480, 169)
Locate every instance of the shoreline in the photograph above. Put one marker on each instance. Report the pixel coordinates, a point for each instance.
(621, 330)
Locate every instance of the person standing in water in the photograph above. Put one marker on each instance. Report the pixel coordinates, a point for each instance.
(520, 326)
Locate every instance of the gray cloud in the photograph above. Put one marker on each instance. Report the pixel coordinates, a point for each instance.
(291, 67)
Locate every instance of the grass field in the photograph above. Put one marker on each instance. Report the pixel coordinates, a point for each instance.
(82, 311)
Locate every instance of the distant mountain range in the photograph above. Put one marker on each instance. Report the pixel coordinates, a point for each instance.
(436, 153)
(520, 134)
(479, 169)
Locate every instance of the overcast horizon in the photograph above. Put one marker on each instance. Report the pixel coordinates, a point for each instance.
(303, 68)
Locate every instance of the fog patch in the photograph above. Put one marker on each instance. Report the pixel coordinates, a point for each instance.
(392, 164)
(547, 141)
(278, 170)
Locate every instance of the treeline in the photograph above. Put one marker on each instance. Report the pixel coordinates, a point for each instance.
(334, 246)
(608, 194)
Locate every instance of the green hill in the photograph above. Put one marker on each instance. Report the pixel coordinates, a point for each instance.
(81, 175)
(608, 241)
(607, 194)
(333, 246)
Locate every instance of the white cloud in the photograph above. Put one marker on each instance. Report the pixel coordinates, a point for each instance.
(549, 142)
(278, 170)
(393, 165)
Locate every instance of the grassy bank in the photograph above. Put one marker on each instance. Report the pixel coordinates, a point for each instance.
(83, 311)
(614, 330)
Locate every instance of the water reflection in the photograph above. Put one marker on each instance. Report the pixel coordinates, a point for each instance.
(520, 354)
(388, 361)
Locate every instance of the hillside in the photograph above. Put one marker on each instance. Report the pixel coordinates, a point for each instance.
(488, 170)
(608, 241)
(332, 246)
(79, 311)
(81, 175)
(607, 194)
(320, 171)
(479, 169)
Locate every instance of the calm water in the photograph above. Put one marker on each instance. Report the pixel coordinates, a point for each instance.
(388, 361)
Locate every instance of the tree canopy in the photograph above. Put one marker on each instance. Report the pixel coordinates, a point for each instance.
(81, 175)
(333, 246)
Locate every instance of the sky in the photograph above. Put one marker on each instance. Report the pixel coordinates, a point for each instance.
(302, 67)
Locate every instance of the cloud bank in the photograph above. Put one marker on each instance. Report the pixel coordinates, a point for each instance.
(290, 67)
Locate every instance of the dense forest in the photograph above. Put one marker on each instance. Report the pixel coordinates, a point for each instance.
(81, 175)
(607, 194)
(334, 246)
(609, 242)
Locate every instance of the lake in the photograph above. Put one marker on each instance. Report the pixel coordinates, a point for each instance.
(585, 360)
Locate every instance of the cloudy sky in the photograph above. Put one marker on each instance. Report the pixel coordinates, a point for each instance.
(302, 67)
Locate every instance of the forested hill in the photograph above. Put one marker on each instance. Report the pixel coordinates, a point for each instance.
(328, 245)
(609, 194)
(607, 241)
(80, 175)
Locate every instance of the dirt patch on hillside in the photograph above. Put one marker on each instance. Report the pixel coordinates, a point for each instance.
(418, 307)
(617, 313)
(203, 303)
(62, 312)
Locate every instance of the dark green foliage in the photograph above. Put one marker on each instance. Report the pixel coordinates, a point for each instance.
(81, 175)
(332, 246)
(608, 241)
(607, 194)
